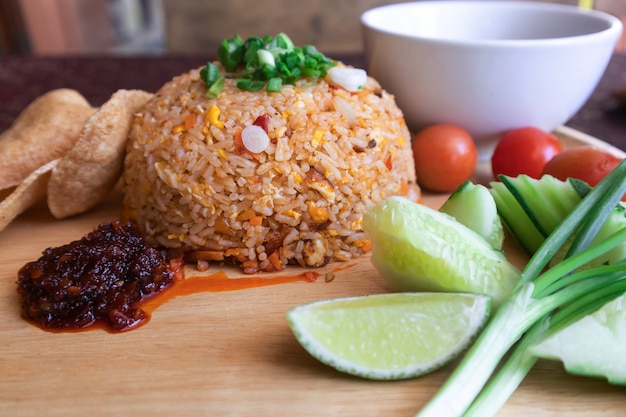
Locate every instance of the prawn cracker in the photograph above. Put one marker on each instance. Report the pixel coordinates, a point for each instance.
(45, 130)
(29, 192)
(90, 170)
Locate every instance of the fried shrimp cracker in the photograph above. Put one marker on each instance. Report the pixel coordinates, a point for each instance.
(29, 192)
(45, 130)
(93, 166)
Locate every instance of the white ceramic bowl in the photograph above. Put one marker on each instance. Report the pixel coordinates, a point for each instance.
(488, 66)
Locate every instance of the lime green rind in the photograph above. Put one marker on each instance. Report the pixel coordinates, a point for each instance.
(416, 248)
(593, 346)
(389, 336)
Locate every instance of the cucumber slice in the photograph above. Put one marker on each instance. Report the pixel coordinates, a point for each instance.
(592, 346)
(474, 206)
(531, 209)
(515, 219)
(417, 248)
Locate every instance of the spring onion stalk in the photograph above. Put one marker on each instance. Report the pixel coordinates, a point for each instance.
(526, 313)
(587, 304)
(546, 286)
(509, 323)
(500, 387)
(519, 363)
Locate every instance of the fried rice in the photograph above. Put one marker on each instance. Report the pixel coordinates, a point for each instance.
(190, 183)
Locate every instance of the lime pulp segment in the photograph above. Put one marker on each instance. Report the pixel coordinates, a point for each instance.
(390, 336)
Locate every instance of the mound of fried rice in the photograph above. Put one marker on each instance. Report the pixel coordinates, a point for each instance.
(190, 184)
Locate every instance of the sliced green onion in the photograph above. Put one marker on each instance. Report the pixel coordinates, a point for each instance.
(257, 61)
(311, 72)
(266, 58)
(249, 85)
(216, 88)
(230, 53)
(210, 74)
(281, 42)
(310, 62)
(274, 84)
(251, 46)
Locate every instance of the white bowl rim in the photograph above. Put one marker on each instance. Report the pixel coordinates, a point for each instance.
(614, 25)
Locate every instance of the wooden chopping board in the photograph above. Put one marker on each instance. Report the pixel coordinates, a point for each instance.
(227, 353)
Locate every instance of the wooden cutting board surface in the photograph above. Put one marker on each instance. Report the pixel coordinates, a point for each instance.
(225, 353)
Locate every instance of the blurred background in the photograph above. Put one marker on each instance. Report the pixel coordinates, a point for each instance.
(70, 27)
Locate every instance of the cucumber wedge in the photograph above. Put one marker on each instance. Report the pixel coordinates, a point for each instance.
(592, 346)
(474, 206)
(417, 248)
(531, 209)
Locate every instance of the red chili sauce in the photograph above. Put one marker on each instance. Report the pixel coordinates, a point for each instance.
(111, 279)
(101, 277)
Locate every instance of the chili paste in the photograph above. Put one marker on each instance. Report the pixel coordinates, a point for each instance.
(101, 277)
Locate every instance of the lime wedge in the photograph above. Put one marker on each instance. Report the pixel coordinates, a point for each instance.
(592, 346)
(389, 336)
(417, 248)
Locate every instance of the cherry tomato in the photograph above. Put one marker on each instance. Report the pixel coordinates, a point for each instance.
(445, 157)
(524, 151)
(586, 163)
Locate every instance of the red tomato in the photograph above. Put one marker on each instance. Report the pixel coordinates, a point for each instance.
(445, 157)
(524, 151)
(586, 163)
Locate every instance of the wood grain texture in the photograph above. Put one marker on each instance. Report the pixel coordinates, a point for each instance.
(200, 26)
(227, 354)
(333, 26)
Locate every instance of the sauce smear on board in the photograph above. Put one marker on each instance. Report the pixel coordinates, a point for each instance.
(111, 280)
(218, 282)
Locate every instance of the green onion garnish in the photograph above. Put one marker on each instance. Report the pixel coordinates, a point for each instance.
(274, 84)
(249, 85)
(231, 52)
(216, 88)
(210, 74)
(266, 62)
